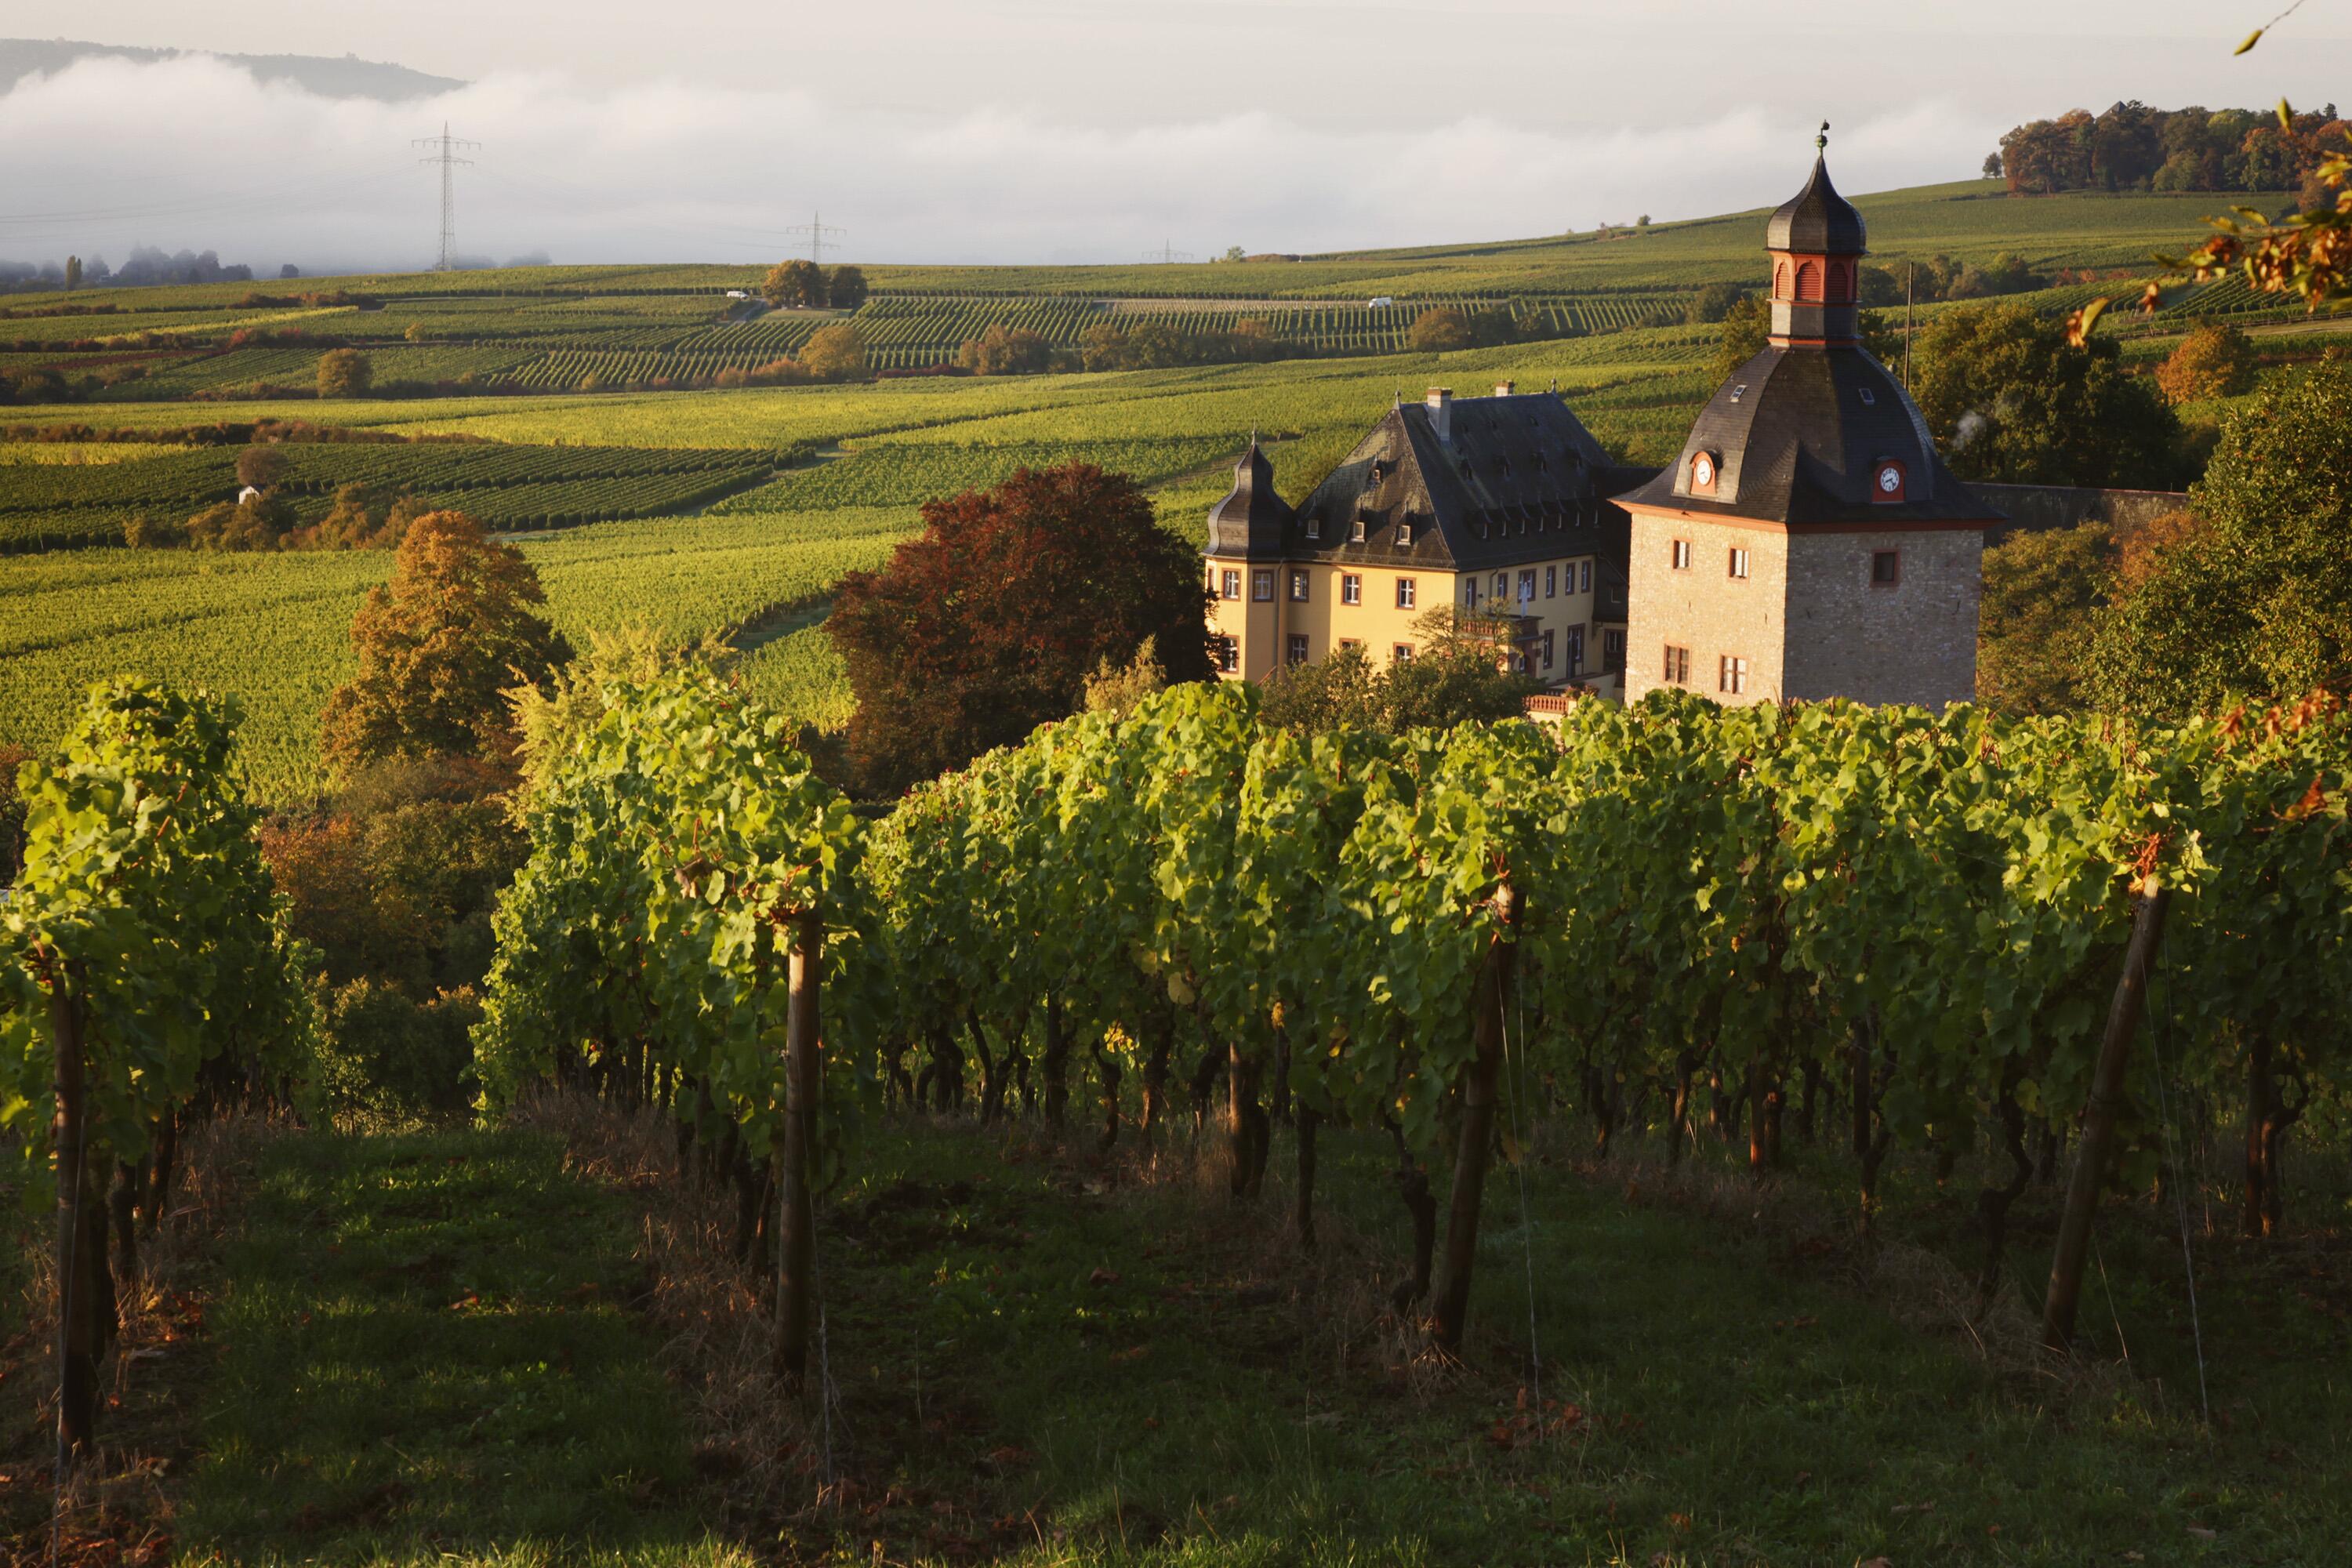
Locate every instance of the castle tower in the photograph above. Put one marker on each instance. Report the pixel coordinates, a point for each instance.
(1246, 535)
(1809, 542)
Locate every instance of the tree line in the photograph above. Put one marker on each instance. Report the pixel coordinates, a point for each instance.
(2132, 147)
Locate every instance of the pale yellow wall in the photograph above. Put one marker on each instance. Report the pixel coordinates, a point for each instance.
(1703, 608)
(1379, 624)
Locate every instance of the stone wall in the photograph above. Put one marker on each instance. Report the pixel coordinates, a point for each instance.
(1911, 641)
(1703, 609)
(2034, 508)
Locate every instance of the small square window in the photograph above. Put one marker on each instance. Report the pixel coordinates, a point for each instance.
(1233, 585)
(1682, 555)
(1401, 652)
(1295, 652)
(1470, 592)
(1299, 587)
(1587, 586)
(1351, 588)
(1314, 527)
(1740, 562)
(1404, 593)
(1527, 586)
(1612, 650)
(1677, 666)
(1731, 676)
(1229, 656)
(1351, 642)
(1551, 582)
(1885, 568)
(1262, 585)
(1502, 584)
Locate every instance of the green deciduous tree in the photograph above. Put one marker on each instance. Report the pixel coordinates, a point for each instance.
(2037, 619)
(2259, 598)
(1439, 329)
(845, 288)
(2011, 401)
(1747, 327)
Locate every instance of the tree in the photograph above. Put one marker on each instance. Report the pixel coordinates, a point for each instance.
(2038, 618)
(2217, 360)
(1713, 302)
(1460, 676)
(1747, 327)
(989, 622)
(12, 813)
(2012, 401)
(1006, 351)
(1438, 329)
(344, 373)
(846, 288)
(2259, 598)
(1234, 253)
(261, 467)
(437, 648)
(1641, 222)
(1992, 166)
(794, 284)
(836, 352)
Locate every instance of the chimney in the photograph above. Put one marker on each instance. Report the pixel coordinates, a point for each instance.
(1505, 388)
(1441, 411)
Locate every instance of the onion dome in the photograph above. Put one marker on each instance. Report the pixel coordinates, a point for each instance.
(1250, 523)
(1817, 221)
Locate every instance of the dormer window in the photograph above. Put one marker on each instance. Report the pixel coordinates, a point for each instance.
(1378, 470)
(1404, 534)
(1313, 526)
(1355, 531)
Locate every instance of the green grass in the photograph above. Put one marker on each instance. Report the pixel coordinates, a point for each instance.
(426, 1352)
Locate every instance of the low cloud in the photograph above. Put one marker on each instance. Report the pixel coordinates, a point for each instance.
(194, 152)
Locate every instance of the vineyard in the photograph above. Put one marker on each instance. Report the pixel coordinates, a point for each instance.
(2057, 962)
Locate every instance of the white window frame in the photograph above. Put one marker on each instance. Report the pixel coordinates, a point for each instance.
(1352, 587)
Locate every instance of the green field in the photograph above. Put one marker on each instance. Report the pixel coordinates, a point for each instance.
(707, 510)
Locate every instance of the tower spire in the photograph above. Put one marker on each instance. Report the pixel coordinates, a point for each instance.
(1822, 141)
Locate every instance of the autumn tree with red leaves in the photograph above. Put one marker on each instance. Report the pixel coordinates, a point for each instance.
(988, 624)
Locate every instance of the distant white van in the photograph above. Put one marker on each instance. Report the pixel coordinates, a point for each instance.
(739, 293)
(1380, 301)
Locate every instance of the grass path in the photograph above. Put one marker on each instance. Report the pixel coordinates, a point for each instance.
(427, 1351)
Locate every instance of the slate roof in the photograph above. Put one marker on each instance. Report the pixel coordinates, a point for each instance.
(1520, 479)
(1253, 520)
(1817, 219)
(1797, 433)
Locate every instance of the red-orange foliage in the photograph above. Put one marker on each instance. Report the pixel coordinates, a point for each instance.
(987, 624)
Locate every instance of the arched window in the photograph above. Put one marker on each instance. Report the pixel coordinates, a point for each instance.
(1781, 282)
(1808, 281)
(1841, 285)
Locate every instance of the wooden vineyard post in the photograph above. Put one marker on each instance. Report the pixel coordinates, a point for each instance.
(2099, 1125)
(70, 1135)
(804, 1069)
(1480, 1088)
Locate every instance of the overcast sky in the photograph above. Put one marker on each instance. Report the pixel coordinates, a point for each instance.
(984, 131)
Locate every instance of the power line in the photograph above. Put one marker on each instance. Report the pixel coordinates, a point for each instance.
(445, 154)
(814, 231)
(1167, 253)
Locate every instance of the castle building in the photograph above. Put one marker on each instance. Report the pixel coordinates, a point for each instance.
(1808, 542)
(1496, 504)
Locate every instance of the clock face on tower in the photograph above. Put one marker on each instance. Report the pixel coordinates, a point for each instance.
(1888, 477)
(1703, 471)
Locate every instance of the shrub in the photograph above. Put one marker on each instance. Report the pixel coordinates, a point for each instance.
(2215, 360)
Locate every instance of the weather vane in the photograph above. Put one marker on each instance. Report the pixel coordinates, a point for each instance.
(1822, 141)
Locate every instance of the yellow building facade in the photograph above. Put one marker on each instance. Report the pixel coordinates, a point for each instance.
(1496, 505)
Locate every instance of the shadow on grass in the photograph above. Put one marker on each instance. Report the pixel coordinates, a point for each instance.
(426, 1352)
